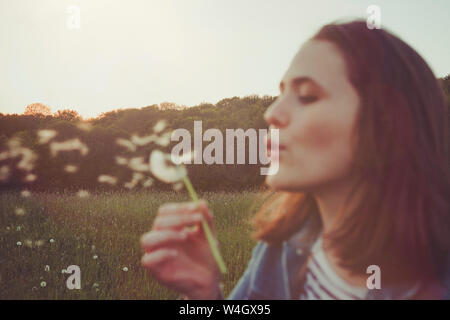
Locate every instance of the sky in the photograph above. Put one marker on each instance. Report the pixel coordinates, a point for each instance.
(135, 53)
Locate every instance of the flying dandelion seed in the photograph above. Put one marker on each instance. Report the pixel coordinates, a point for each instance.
(28, 159)
(125, 269)
(25, 193)
(46, 135)
(95, 257)
(28, 243)
(52, 240)
(178, 186)
(142, 141)
(69, 145)
(85, 126)
(127, 144)
(160, 126)
(83, 194)
(147, 183)
(163, 169)
(19, 243)
(138, 164)
(39, 243)
(70, 168)
(43, 284)
(164, 140)
(107, 179)
(47, 268)
(4, 173)
(121, 160)
(4, 155)
(30, 177)
(19, 212)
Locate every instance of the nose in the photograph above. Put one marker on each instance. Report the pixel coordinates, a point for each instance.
(277, 114)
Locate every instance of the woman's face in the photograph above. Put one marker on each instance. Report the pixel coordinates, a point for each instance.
(315, 114)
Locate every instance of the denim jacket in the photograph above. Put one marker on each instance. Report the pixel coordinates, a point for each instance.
(270, 272)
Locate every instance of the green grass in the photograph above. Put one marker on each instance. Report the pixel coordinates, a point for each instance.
(108, 225)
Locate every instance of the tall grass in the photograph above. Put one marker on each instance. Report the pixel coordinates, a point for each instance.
(101, 235)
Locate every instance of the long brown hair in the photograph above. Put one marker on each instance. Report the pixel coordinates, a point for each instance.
(398, 215)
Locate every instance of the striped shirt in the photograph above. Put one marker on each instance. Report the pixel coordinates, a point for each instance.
(323, 283)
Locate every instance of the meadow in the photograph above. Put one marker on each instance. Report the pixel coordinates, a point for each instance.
(43, 233)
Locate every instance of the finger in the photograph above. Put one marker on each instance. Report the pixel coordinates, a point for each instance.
(152, 259)
(172, 208)
(155, 239)
(176, 221)
(205, 211)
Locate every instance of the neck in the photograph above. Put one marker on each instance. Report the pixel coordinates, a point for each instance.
(330, 199)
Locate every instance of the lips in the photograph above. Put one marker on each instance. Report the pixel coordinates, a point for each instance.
(277, 148)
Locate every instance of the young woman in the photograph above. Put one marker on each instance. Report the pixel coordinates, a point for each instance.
(363, 183)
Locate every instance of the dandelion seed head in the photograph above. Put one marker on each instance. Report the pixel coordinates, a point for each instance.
(95, 257)
(163, 169)
(52, 240)
(43, 284)
(19, 243)
(125, 269)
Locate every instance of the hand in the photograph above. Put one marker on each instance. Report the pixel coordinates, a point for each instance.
(180, 257)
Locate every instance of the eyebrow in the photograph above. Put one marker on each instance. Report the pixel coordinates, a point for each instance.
(297, 81)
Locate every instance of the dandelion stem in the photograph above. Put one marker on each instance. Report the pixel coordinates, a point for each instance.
(211, 241)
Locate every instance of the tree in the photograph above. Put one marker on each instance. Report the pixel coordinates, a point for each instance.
(66, 114)
(38, 109)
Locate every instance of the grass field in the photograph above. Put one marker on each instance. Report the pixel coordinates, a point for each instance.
(100, 234)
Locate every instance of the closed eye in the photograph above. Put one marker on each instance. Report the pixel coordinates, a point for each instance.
(307, 99)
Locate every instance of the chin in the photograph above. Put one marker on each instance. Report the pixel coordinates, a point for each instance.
(286, 182)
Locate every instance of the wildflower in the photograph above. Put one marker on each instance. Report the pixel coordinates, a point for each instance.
(43, 284)
(125, 269)
(19, 243)
(52, 240)
(95, 257)
(20, 212)
(47, 268)
(19, 228)
(46, 135)
(95, 285)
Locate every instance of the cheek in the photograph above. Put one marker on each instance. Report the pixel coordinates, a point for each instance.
(321, 134)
